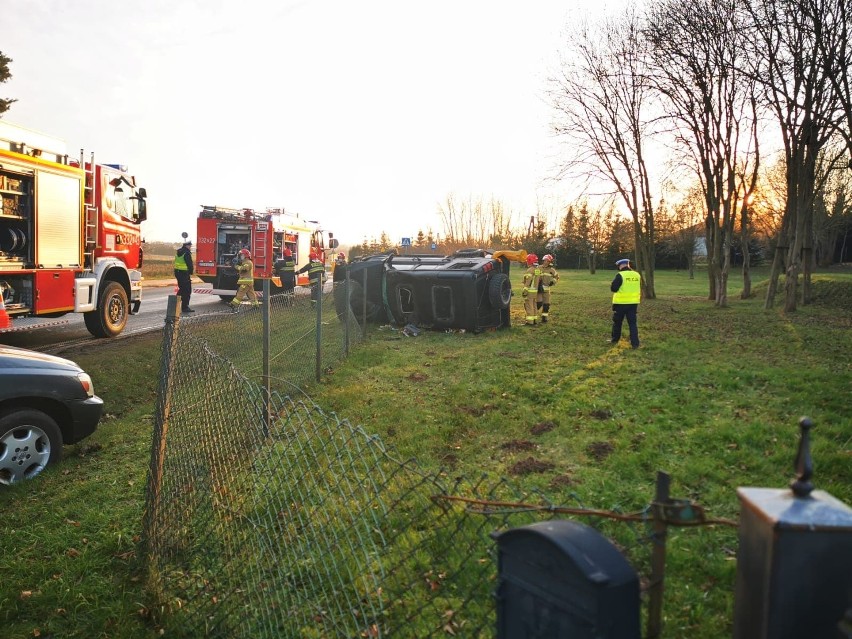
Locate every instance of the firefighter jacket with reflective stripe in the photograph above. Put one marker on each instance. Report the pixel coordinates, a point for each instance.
(532, 279)
(630, 290)
(549, 277)
(315, 269)
(246, 271)
(183, 260)
(288, 265)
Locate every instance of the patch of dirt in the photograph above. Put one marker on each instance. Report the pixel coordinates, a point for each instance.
(602, 414)
(477, 411)
(418, 377)
(450, 460)
(542, 427)
(530, 465)
(87, 448)
(561, 481)
(637, 440)
(517, 445)
(600, 450)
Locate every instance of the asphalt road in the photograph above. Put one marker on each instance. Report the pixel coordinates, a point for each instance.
(151, 316)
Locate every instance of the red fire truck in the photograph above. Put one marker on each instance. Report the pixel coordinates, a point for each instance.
(222, 232)
(70, 238)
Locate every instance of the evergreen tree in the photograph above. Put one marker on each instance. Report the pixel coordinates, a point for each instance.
(5, 74)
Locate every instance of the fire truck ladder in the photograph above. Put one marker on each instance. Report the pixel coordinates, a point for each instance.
(260, 256)
(91, 209)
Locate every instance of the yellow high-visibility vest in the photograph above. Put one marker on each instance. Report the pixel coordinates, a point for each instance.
(631, 289)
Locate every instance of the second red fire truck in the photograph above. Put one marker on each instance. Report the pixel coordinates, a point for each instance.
(222, 232)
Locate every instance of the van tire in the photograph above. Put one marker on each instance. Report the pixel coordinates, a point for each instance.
(500, 291)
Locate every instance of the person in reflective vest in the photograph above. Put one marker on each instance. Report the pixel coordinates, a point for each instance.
(532, 281)
(549, 277)
(626, 290)
(286, 270)
(316, 272)
(245, 270)
(184, 268)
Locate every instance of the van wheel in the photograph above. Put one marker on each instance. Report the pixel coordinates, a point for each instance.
(500, 291)
(110, 317)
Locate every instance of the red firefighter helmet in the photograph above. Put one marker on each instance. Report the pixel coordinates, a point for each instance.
(245, 254)
(547, 258)
(313, 255)
(532, 258)
(288, 253)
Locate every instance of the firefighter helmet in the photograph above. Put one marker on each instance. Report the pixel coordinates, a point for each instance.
(341, 256)
(245, 254)
(547, 258)
(313, 255)
(288, 253)
(532, 258)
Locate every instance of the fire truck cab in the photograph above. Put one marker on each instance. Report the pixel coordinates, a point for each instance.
(222, 232)
(70, 239)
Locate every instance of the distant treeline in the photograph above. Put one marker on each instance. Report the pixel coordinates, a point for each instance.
(159, 248)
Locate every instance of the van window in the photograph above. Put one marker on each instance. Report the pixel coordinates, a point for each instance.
(442, 302)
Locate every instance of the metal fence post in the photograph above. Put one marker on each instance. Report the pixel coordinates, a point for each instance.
(348, 313)
(267, 391)
(150, 524)
(364, 306)
(319, 289)
(658, 557)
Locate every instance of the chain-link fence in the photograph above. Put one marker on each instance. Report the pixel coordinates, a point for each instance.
(267, 517)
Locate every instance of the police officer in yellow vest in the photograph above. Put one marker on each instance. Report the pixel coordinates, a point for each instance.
(532, 282)
(626, 290)
(245, 270)
(184, 268)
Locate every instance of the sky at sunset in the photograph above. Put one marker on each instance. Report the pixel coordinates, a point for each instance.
(365, 116)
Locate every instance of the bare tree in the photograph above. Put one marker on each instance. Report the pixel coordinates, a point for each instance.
(475, 223)
(600, 98)
(802, 75)
(696, 46)
(832, 211)
(679, 227)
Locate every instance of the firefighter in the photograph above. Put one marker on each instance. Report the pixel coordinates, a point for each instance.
(532, 280)
(286, 269)
(316, 272)
(549, 277)
(626, 290)
(184, 268)
(338, 269)
(245, 269)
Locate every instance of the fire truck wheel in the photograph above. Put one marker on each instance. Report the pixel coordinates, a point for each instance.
(29, 442)
(110, 317)
(500, 291)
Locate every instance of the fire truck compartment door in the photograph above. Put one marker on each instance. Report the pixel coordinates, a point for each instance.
(58, 220)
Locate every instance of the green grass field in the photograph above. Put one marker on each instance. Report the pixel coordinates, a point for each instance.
(712, 397)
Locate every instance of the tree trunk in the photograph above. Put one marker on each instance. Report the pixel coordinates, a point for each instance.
(807, 259)
(744, 239)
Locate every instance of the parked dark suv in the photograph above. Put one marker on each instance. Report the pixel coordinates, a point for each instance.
(45, 403)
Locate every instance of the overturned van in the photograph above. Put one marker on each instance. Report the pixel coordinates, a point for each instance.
(469, 290)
